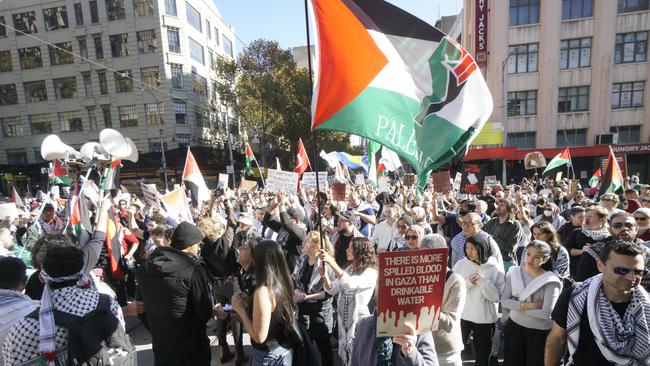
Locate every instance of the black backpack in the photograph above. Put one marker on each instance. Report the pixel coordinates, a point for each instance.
(305, 351)
(95, 338)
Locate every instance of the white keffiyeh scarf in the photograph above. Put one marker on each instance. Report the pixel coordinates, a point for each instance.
(597, 234)
(622, 341)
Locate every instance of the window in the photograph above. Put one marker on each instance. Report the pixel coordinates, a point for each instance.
(627, 95)
(88, 84)
(78, 14)
(153, 113)
(16, 156)
(573, 99)
(196, 51)
(179, 110)
(154, 145)
(170, 7)
(216, 35)
(523, 58)
(8, 95)
(177, 76)
(630, 47)
(40, 124)
(25, 23)
(524, 12)
(103, 84)
(522, 140)
(3, 29)
(5, 61)
(143, 7)
(83, 47)
(35, 91)
(119, 45)
(128, 116)
(30, 58)
(193, 17)
(61, 54)
(150, 77)
(522, 103)
(115, 9)
(173, 40)
(627, 134)
(106, 114)
(208, 29)
(227, 46)
(12, 126)
(65, 88)
(199, 84)
(574, 9)
(55, 18)
(201, 116)
(575, 53)
(571, 138)
(94, 14)
(71, 121)
(99, 48)
(92, 118)
(123, 81)
(626, 6)
(183, 140)
(147, 42)
(210, 59)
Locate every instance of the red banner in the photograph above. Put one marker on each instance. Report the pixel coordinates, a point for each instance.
(411, 286)
(481, 32)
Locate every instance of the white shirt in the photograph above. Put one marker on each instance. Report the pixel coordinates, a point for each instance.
(382, 234)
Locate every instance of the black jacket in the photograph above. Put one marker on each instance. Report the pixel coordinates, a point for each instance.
(177, 299)
(295, 236)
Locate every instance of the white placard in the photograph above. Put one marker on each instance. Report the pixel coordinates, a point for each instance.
(558, 176)
(230, 169)
(382, 184)
(281, 181)
(8, 210)
(55, 192)
(360, 179)
(457, 181)
(151, 195)
(223, 180)
(309, 180)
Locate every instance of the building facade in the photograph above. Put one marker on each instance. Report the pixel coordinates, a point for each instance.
(564, 72)
(167, 46)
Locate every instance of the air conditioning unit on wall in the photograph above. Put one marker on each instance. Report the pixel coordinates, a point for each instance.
(607, 138)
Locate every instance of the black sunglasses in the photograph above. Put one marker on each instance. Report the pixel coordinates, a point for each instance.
(622, 271)
(619, 225)
(409, 237)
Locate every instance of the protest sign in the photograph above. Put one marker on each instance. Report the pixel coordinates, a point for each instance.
(441, 181)
(411, 285)
(123, 197)
(409, 180)
(457, 180)
(223, 180)
(8, 210)
(471, 181)
(309, 180)
(490, 180)
(382, 184)
(150, 195)
(248, 185)
(338, 191)
(558, 176)
(55, 192)
(360, 179)
(281, 181)
(177, 205)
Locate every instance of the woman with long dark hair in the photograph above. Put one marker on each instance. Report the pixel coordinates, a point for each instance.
(269, 316)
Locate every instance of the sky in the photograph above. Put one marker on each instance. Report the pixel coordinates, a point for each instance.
(284, 20)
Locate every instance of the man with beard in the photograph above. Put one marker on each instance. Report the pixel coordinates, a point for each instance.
(623, 228)
(506, 231)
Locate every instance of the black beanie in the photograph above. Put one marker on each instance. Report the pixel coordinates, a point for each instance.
(185, 236)
(63, 261)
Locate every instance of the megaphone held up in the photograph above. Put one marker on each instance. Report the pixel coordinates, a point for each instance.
(91, 150)
(134, 151)
(114, 143)
(53, 148)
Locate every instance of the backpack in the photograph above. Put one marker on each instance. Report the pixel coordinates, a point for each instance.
(95, 338)
(305, 351)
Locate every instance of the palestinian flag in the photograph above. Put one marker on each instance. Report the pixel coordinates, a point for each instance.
(59, 173)
(111, 176)
(15, 198)
(249, 160)
(612, 179)
(114, 245)
(560, 159)
(390, 77)
(194, 179)
(80, 218)
(593, 181)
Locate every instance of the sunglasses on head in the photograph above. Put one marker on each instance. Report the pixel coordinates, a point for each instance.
(622, 271)
(619, 225)
(410, 237)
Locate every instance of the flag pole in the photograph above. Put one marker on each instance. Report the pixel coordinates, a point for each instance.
(313, 133)
(259, 169)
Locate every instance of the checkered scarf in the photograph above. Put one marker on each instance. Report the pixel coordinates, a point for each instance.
(623, 341)
(47, 329)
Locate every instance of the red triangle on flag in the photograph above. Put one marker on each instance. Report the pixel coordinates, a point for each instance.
(190, 166)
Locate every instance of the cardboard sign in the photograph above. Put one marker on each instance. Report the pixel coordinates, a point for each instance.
(248, 185)
(360, 179)
(409, 180)
(441, 181)
(490, 180)
(382, 184)
(411, 285)
(339, 191)
(281, 181)
(8, 210)
(471, 179)
(309, 180)
(534, 160)
(223, 180)
(151, 195)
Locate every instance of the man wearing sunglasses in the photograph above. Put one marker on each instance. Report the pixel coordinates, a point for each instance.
(623, 227)
(606, 319)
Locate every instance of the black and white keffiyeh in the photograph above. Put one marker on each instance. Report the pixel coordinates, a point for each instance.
(623, 341)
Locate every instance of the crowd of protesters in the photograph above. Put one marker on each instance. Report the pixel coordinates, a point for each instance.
(538, 263)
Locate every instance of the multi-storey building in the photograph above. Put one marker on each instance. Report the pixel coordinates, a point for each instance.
(167, 46)
(565, 73)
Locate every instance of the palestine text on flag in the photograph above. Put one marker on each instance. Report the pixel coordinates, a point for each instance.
(194, 179)
(612, 179)
(388, 76)
(560, 159)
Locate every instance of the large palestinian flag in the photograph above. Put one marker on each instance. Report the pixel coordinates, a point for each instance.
(194, 179)
(388, 76)
(612, 179)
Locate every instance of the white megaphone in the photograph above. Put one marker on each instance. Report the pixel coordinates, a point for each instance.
(53, 148)
(93, 150)
(114, 143)
(134, 151)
